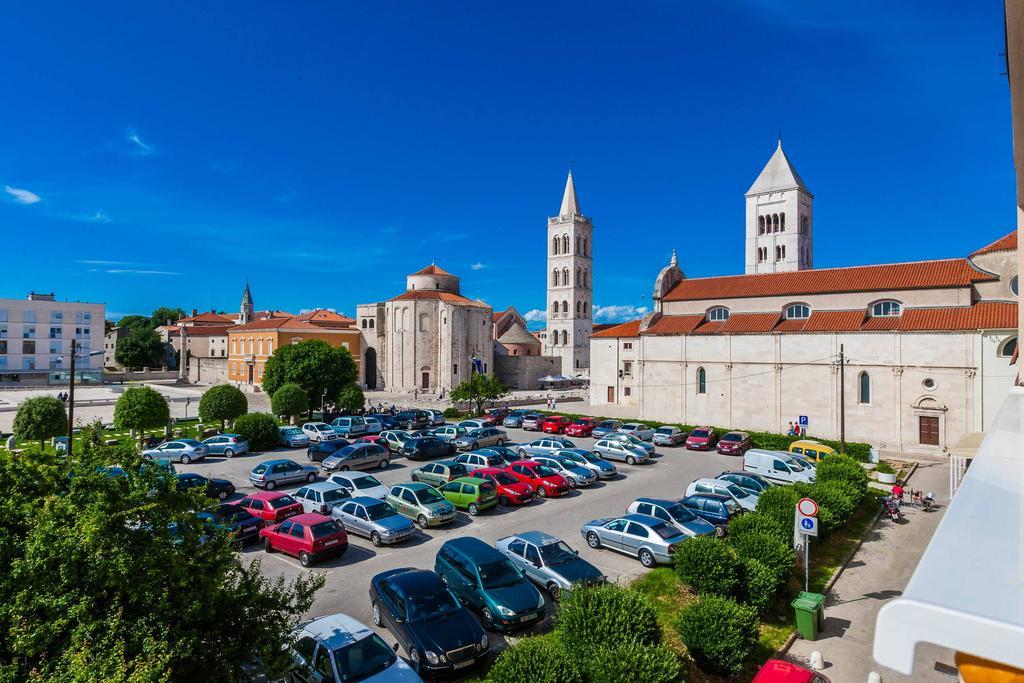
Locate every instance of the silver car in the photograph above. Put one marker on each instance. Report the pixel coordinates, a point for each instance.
(576, 474)
(395, 439)
(548, 561)
(673, 512)
(291, 437)
(321, 497)
(637, 429)
(373, 425)
(649, 447)
(479, 459)
(620, 450)
(360, 484)
(584, 458)
(475, 423)
(649, 539)
(485, 436)
(436, 418)
(374, 519)
(182, 450)
(273, 473)
(532, 422)
(449, 433)
(546, 446)
(605, 428)
(319, 431)
(668, 436)
(357, 456)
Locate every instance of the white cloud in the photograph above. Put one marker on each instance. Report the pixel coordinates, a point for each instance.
(98, 217)
(135, 271)
(21, 196)
(536, 316)
(142, 148)
(98, 262)
(618, 314)
(304, 311)
(478, 266)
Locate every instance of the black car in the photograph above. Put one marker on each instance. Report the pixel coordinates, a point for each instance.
(240, 524)
(427, 447)
(317, 452)
(219, 489)
(439, 635)
(412, 419)
(387, 421)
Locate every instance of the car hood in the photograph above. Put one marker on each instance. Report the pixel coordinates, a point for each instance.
(598, 522)
(440, 507)
(557, 480)
(578, 570)
(221, 482)
(605, 466)
(399, 672)
(696, 527)
(450, 632)
(521, 596)
(582, 471)
(394, 523)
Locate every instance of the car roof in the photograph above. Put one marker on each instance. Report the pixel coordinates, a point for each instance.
(366, 500)
(473, 548)
(642, 519)
(475, 481)
(309, 518)
(323, 486)
(268, 495)
(538, 538)
(337, 630)
(657, 501)
(489, 470)
(711, 496)
(411, 580)
(415, 485)
(276, 461)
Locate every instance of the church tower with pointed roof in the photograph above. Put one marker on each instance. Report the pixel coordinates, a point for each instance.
(779, 220)
(570, 297)
(246, 312)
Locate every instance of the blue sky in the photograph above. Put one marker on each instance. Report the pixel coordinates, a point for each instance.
(161, 153)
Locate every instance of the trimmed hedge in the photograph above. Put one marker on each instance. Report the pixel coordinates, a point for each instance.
(607, 615)
(719, 633)
(760, 584)
(538, 659)
(708, 565)
(778, 503)
(767, 549)
(630, 662)
(757, 522)
(452, 412)
(260, 429)
(843, 469)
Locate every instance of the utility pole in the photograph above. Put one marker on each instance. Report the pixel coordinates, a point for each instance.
(842, 401)
(71, 399)
(472, 387)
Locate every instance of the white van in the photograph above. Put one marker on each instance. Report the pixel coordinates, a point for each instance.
(775, 467)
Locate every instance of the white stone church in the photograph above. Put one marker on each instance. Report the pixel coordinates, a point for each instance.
(929, 346)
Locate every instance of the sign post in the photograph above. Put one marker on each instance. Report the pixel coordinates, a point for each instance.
(805, 525)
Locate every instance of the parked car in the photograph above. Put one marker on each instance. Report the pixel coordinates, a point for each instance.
(555, 424)
(515, 418)
(319, 431)
(811, 450)
(421, 503)
(531, 422)
(701, 439)
(219, 489)
(310, 537)
(637, 429)
(648, 446)
(485, 580)
(339, 648)
(754, 483)
(387, 420)
(584, 458)
(811, 465)
(349, 427)
(605, 427)
(549, 562)
(271, 506)
(448, 433)
(438, 473)
(620, 450)
(734, 443)
(545, 481)
(482, 458)
(668, 436)
(321, 497)
(475, 423)
(375, 439)
(507, 451)
(439, 635)
(360, 484)
(437, 418)
(574, 473)
(581, 427)
(412, 419)
(471, 494)
(228, 445)
(475, 438)
(511, 491)
(374, 519)
(373, 425)
(780, 671)
(395, 439)
(673, 512)
(649, 539)
(496, 415)
(241, 525)
(427, 447)
(320, 451)
(713, 508)
(545, 446)
(776, 467)
(291, 437)
(179, 450)
(357, 456)
(745, 499)
(273, 473)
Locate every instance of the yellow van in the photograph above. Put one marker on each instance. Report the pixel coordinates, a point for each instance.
(812, 450)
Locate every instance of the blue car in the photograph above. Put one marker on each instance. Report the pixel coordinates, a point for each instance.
(291, 437)
(713, 508)
(228, 445)
(675, 513)
(386, 421)
(515, 418)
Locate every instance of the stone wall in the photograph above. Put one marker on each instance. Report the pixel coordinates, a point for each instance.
(522, 372)
(208, 371)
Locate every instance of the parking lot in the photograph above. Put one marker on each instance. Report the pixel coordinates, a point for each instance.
(667, 475)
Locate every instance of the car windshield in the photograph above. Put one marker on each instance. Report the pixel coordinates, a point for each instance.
(401, 436)
(380, 511)
(367, 482)
(543, 471)
(260, 469)
(664, 430)
(699, 433)
(427, 496)
(504, 478)
(732, 437)
(632, 439)
(281, 502)
(292, 431)
(431, 605)
(334, 495)
(737, 491)
(664, 530)
(457, 469)
(499, 574)
(555, 554)
(230, 513)
(802, 463)
(681, 514)
(323, 529)
(363, 658)
(795, 465)
(347, 450)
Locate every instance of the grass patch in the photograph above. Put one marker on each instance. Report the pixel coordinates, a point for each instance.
(189, 430)
(669, 595)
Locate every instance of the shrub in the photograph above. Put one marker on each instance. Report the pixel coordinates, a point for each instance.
(837, 467)
(755, 521)
(708, 565)
(222, 402)
(351, 398)
(778, 504)
(539, 659)
(839, 497)
(885, 468)
(289, 400)
(631, 662)
(40, 418)
(760, 584)
(606, 615)
(452, 412)
(830, 508)
(767, 549)
(141, 408)
(260, 429)
(719, 633)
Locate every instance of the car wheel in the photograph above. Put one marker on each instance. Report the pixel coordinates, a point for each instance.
(375, 539)
(267, 545)
(473, 509)
(572, 483)
(542, 491)
(522, 453)
(270, 485)
(305, 559)
(554, 591)
(593, 540)
(414, 478)
(384, 464)
(185, 460)
(503, 500)
(222, 495)
(311, 477)
(647, 558)
(720, 531)
(421, 521)
(474, 447)
(375, 611)
(228, 453)
(487, 618)
(343, 468)
(630, 460)
(500, 442)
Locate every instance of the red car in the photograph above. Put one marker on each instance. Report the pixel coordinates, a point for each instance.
(734, 443)
(778, 671)
(309, 537)
(701, 439)
(555, 424)
(544, 480)
(581, 427)
(511, 491)
(496, 415)
(376, 439)
(271, 506)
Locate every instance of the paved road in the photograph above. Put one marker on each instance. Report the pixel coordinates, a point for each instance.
(348, 578)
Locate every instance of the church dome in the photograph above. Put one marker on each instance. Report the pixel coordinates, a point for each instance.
(432, 278)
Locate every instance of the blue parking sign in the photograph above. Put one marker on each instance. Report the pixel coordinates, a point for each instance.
(803, 420)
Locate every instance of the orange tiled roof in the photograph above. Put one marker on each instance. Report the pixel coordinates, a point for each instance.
(894, 276)
(260, 315)
(833, 321)
(208, 317)
(675, 324)
(322, 315)
(437, 295)
(432, 269)
(206, 330)
(739, 323)
(292, 324)
(1004, 243)
(984, 315)
(630, 329)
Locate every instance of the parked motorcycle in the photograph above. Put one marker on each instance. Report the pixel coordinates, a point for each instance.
(892, 508)
(929, 502)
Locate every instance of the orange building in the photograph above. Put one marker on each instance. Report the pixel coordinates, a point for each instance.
(250, 345)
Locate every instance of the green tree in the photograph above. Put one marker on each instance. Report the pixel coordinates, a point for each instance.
(141, 408)
(222, 402)
(480, 389)
(142, 347)
(163, 314)
(719, 633)
(351, 398)
(135, 322)
(289, 401)
(259, 429)
(314, 365)
(40, 418)
(115, 579)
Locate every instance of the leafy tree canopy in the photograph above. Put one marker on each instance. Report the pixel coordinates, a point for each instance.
(142, 347)
(141, 408)
(351, 398)
(289, 400)
(480, 389)
(222, 402)
(314, 365)
(40, 418)
(163, 314)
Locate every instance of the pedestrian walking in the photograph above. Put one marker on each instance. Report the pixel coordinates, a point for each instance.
(790, 431)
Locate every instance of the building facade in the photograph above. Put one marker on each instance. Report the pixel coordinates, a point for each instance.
(518, 359)
(779, 219)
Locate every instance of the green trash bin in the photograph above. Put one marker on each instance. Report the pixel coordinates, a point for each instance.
(806, 617)
(819, 600)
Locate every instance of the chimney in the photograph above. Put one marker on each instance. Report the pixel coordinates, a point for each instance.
(195, 312)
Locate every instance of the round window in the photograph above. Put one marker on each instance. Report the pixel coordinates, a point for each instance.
(928, 383)
(1014, 286)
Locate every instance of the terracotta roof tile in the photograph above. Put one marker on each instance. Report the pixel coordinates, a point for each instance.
(292, 324)
(881, 323)
(833, 321)
(750, 322)
(432, 269)
(437, 295)
(895, 276)
(1004, 243)
(675, 324)
(985, 315)
(206, 330)
(630, 329)
(208, 317)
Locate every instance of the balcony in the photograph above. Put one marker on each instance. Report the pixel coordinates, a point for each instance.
(249, 357)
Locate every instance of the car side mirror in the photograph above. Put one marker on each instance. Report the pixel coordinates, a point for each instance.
(576, 551)
(395, 647)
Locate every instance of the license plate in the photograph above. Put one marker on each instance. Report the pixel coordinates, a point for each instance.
(528, 617)
(462, 665)
(334, 542)
(527, 499)
(248, 530)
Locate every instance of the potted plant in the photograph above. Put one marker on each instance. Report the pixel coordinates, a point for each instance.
(885, 473)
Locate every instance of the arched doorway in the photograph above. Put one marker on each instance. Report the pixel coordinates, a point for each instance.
(425, 377)
(370, 368)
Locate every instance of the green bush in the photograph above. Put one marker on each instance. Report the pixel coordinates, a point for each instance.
(260, 429)
(708, 565)
(630, 662)
(606, 615)
(760, 584)
(452, 412)
(779, 504)
(719, 633)
(830, 510)
(840, 498)
(755, 521)
(842, 468)
(222, 402)
(885, 468)
(40, 418)
(289, 400)
(538, 659)
(767, 549)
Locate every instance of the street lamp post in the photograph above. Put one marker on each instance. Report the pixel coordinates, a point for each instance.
(71, 393)
(323, 401)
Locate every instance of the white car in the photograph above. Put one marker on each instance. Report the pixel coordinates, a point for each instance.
(339, 648)
(475, 424)
(637, 429)
(745, 499)
(395, 439)
(321, 497)
(319, 431)
(360, 484)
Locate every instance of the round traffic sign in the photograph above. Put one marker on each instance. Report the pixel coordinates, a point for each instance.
(807, 507)
(807, 523)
